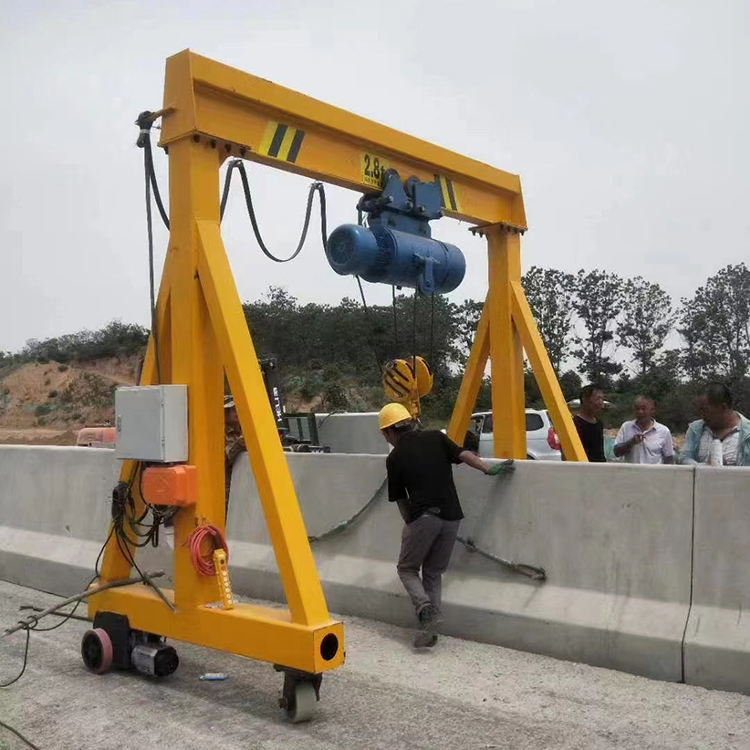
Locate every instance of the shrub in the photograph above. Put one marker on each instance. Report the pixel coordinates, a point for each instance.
(52, 394)
(62, 368)
(42, 410)
(89, 389)
(310, 387)
(334, 397)
(331, 373)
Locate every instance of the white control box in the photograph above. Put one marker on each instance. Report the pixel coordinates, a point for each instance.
(151, 423)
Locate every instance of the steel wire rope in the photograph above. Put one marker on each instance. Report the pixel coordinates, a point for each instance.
(342, 525)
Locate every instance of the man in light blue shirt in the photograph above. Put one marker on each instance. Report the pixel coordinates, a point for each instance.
(643, 440)
(720, 422)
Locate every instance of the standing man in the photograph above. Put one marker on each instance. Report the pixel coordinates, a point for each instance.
(234, 443)
(643, 440)
(420, 480)
(587, 422)
(720, 423)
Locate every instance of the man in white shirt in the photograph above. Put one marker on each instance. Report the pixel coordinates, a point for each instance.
(643, 440)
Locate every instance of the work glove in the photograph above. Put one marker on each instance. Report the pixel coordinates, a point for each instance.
(505, 467)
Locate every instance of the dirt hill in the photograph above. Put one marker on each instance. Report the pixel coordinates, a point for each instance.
(46, 404)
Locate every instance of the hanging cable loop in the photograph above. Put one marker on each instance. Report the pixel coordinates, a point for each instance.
(316, 187)
(145, 122)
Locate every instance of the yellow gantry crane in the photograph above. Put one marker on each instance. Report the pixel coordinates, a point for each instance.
(212, 112)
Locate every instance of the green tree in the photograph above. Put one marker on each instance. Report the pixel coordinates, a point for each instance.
(550, 296)
(116, 339)
(570, 383)
(597, 300)
(468, 314)
(715, 325)
(647, 319)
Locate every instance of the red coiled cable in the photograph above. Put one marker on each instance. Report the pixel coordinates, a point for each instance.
(203, 563)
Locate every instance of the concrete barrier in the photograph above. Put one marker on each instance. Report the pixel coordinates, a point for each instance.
(618, 592)
(54, 511)
(616, 541)
(55, 508)
(352, 433)
(717, 640)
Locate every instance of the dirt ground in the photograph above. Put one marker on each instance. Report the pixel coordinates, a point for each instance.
(37, 436)
(387, 696)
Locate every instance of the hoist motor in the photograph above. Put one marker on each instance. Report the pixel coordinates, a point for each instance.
(396, 246)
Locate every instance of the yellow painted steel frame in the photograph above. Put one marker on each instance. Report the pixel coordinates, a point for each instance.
(212, 112)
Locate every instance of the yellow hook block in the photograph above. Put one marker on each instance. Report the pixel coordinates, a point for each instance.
(405, 386)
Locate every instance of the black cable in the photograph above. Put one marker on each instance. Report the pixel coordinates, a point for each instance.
(145, 123)
(414, 335)
(25, 661)
(126, 552)
(432, 331)
(66, 616)
(70, 616)
(395, 318)
(19, 735)
(121, 537)
(152, 293)
(369, 326)
(315, 187)
(101, 551)
(158, 517)
(154, 184)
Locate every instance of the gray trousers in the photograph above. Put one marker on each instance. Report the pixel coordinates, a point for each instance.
(426, 543)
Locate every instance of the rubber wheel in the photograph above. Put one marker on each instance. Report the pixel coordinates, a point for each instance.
(96, 650)
(305, 702)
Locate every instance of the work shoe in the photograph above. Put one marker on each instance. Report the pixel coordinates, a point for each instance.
(424, 640)
(429, 619)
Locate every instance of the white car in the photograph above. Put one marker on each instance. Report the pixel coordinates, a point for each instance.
(542, 443)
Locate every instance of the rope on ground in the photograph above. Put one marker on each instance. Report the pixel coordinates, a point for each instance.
(530, 571)
(19, 735)
(31, 620)
(349, 521)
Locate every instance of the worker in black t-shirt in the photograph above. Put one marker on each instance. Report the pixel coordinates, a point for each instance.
(587, 422)
(420, 480)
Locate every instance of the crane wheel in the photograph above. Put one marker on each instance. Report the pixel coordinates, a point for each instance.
(96, 650)
(304, 703)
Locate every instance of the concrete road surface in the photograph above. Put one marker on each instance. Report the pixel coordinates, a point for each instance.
(462, 695)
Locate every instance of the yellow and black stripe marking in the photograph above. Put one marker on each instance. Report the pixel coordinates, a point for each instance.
(282, 142)
(398, 379)
(448, 193)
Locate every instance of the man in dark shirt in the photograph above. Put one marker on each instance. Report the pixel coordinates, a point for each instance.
(587, 422)
(420, 480)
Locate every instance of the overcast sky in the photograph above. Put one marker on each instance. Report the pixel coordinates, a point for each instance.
(628, 123)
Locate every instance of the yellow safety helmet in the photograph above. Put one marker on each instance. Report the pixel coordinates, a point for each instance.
(392, 414)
